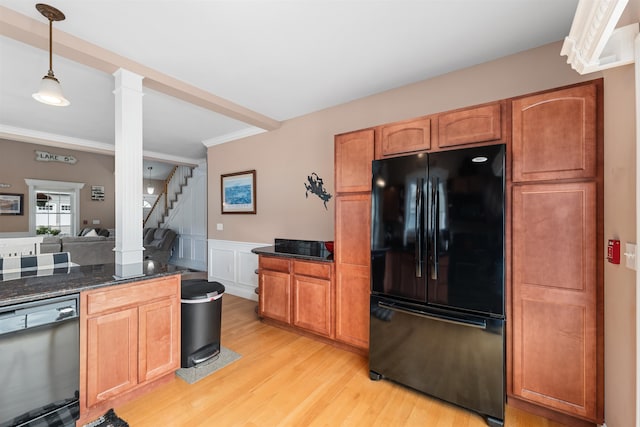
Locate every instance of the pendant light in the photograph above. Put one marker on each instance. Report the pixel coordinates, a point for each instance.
(149, 186)
(50, 92)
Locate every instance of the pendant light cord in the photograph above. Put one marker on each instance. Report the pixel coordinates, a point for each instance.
(50, 73)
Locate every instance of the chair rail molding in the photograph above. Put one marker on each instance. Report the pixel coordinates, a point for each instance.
(593, 43)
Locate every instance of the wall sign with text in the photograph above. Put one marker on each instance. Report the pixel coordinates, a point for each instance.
(44, 156)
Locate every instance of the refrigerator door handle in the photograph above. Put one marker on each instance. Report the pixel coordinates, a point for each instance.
(419, 213)
(479, 324)
(435, 208)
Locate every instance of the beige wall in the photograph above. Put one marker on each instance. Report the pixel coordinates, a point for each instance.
(284, 157)
(17, 162)
(619, 213)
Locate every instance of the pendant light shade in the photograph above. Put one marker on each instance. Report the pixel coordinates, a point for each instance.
(150, 188)
(50, 92)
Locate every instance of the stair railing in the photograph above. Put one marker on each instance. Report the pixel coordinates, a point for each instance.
(172, 187)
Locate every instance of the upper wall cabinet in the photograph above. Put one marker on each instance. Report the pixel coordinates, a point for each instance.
(353, 156)
(554, 135)
(471, 125)
(405, 137)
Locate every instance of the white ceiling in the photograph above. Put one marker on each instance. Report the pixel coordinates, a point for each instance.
(281, 59)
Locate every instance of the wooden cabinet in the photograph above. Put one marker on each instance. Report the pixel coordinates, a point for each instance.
(129, 339)
(313, 297)
(353, 156)
(555, 319)
(405, 137)
(275, 288)
(555, 134)
(555, 343)
(297, 293)
(352, 256)
(352, 231)
(471, 125)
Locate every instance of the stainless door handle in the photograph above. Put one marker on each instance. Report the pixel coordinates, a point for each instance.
(479, 324)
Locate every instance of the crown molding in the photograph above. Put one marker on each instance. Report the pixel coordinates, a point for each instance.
(593, 43)
(233, 136)
(61, 141)
(54, 140)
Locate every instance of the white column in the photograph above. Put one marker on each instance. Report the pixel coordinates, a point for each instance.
(637, 84)
(128, 171)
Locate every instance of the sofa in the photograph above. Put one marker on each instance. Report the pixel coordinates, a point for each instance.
(97, 247)
(84, 249)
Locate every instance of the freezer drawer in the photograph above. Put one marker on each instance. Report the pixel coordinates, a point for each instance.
(459, 359)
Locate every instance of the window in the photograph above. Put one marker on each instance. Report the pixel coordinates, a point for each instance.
(55, 214)
(56, 205)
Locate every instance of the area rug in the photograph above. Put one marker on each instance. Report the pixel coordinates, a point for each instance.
(110, 419)
(195, 374)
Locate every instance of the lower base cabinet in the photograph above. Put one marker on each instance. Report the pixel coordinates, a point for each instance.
(129, 340)
(297, 293)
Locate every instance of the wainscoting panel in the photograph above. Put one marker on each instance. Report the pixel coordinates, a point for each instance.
(190, 251)
(234, 265)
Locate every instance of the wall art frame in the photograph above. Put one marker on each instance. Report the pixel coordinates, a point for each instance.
(238, 193)
(97, 193)
(11, 204)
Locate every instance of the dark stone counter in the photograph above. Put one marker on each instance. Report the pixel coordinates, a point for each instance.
(309, 250)
(79, 278)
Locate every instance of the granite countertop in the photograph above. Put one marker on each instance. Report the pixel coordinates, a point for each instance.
(79, 278)
(309, 250)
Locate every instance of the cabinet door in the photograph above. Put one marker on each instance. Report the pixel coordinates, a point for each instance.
(158, 339)
(554, 297)
(312, 307)
(471, 125)
(554, 135)
(405, 137)
(275, 295)
(352, 305)
(353, 156)
(352, 257)
(112, 354)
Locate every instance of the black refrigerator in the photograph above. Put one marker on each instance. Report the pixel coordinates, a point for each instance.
(437, 276)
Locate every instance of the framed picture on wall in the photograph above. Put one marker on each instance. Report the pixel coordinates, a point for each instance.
(97, 193)
(11, 204)
(238, 192)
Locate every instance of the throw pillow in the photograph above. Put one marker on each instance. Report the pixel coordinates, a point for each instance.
(92, 233)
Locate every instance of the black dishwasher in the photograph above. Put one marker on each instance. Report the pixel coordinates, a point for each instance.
(40, 363)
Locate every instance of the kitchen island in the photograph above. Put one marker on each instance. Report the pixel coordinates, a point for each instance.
(77, 279)
(129, 328)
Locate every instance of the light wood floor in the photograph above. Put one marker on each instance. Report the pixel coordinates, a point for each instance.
(283, 379)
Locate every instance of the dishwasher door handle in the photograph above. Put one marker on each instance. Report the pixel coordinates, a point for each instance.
(479, 324)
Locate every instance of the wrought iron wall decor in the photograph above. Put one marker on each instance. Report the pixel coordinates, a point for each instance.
(315, 185)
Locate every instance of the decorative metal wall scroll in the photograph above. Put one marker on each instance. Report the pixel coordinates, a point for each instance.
(315, 185)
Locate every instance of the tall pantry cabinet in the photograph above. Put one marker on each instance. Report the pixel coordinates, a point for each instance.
(353, 157)
(557, 251)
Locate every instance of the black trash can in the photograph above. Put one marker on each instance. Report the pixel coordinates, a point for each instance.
(201, 320)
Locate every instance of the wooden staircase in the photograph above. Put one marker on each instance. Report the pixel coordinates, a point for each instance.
(167, 199)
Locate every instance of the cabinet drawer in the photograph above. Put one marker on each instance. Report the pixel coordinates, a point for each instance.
(133, 294)
(274, 263)
(314, 269)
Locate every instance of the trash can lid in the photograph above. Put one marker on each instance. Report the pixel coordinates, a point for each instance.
(200, 289)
